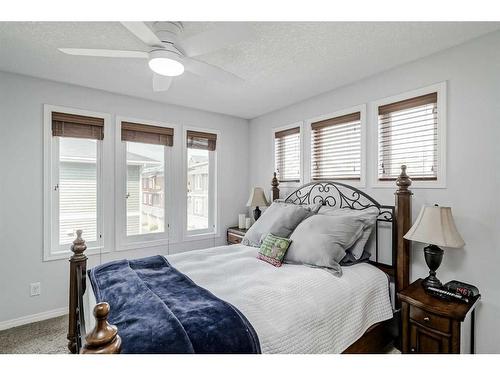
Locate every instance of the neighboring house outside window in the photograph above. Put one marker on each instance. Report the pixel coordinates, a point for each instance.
(201, 211)
(146, 215)
(77, 189)
(197, 203)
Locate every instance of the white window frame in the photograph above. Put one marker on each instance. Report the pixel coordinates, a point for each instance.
(52, 250)
(300, 125)
(440, 182)
(124, 242)
(214, 188)
(361, 108)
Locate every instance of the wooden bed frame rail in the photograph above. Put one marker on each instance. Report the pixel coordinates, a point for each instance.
(104, 338)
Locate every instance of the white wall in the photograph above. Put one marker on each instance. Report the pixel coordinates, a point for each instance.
(21, 150)
(472, 72)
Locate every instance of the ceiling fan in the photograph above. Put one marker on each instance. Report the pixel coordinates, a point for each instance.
(169, 54)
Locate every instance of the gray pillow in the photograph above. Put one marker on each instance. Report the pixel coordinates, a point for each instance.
(349, 260)
(322, 240)
(279, 219)
(314, 207)
(369, 217)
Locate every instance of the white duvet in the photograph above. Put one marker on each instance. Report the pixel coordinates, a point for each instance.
(293, 308)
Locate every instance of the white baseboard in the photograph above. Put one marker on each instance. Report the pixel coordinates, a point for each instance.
(33, 318)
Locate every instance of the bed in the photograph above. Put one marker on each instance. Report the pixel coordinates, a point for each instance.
(294, 308)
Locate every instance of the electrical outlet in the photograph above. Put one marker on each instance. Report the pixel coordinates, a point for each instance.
(35, 289)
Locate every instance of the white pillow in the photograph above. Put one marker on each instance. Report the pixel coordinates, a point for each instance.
(322, 240)
(368, 215)
(280, 219)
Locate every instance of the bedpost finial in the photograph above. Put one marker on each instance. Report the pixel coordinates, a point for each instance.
(275, 190)
(104, 338)
(79, 245)
(101, 311)
(403, 181)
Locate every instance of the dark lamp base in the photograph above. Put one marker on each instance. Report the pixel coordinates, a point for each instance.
(431, 281)
(433, 257)
(256, 213)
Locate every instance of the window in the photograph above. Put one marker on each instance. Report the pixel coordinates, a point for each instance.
(336, 148)
(200, 154)
(77, 189)
(408, 134)
(144, 161)
(287, 154)
(73, 187)
(145, 154)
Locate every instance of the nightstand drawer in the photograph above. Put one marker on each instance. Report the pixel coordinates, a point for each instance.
(429, 320)
(233, 238)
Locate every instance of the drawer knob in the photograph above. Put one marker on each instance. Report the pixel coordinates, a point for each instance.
(413, 349)
(427, 319)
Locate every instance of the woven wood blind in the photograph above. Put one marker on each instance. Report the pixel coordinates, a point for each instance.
(336, 148)
(157, 135)
(408, 134)
(201, 141)
(76, 126)
(287, 154)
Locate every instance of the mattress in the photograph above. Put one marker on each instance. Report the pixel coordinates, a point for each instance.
(293, 308)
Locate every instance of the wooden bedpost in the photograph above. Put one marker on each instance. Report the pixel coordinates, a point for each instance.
(104, 338)
(275, 190)
(78, 266)
(403, 220)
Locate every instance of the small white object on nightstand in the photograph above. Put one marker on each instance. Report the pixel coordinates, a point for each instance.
(241, 221)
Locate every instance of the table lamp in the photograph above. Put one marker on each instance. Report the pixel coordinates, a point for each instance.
(257, 198)
(436, 227)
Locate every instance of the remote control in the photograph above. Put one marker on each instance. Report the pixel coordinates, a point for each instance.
(447, 295)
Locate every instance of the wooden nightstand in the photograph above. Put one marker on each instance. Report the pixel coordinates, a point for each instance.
(235, 235)
(430, 324)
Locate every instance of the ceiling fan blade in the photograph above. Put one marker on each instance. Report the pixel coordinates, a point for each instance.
(161, 83)
(211, 72)
(216, 38)
(104, 53)
(143, 32)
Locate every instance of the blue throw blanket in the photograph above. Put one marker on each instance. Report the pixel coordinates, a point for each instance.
(157, 309)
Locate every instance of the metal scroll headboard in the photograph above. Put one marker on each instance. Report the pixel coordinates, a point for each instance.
(340, 195)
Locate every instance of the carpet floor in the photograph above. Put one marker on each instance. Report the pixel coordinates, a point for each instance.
(49, 337)
(46, 337)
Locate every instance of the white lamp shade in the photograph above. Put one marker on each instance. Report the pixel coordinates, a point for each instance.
(257, 198)
(435, 226)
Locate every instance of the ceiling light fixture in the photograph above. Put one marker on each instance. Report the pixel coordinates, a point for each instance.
(165, 63)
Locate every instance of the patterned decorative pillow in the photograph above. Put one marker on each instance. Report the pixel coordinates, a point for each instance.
(273, 249)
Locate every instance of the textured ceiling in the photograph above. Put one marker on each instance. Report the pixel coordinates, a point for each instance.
(282, 63)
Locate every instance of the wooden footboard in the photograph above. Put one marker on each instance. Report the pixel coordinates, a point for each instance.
(104, 338)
